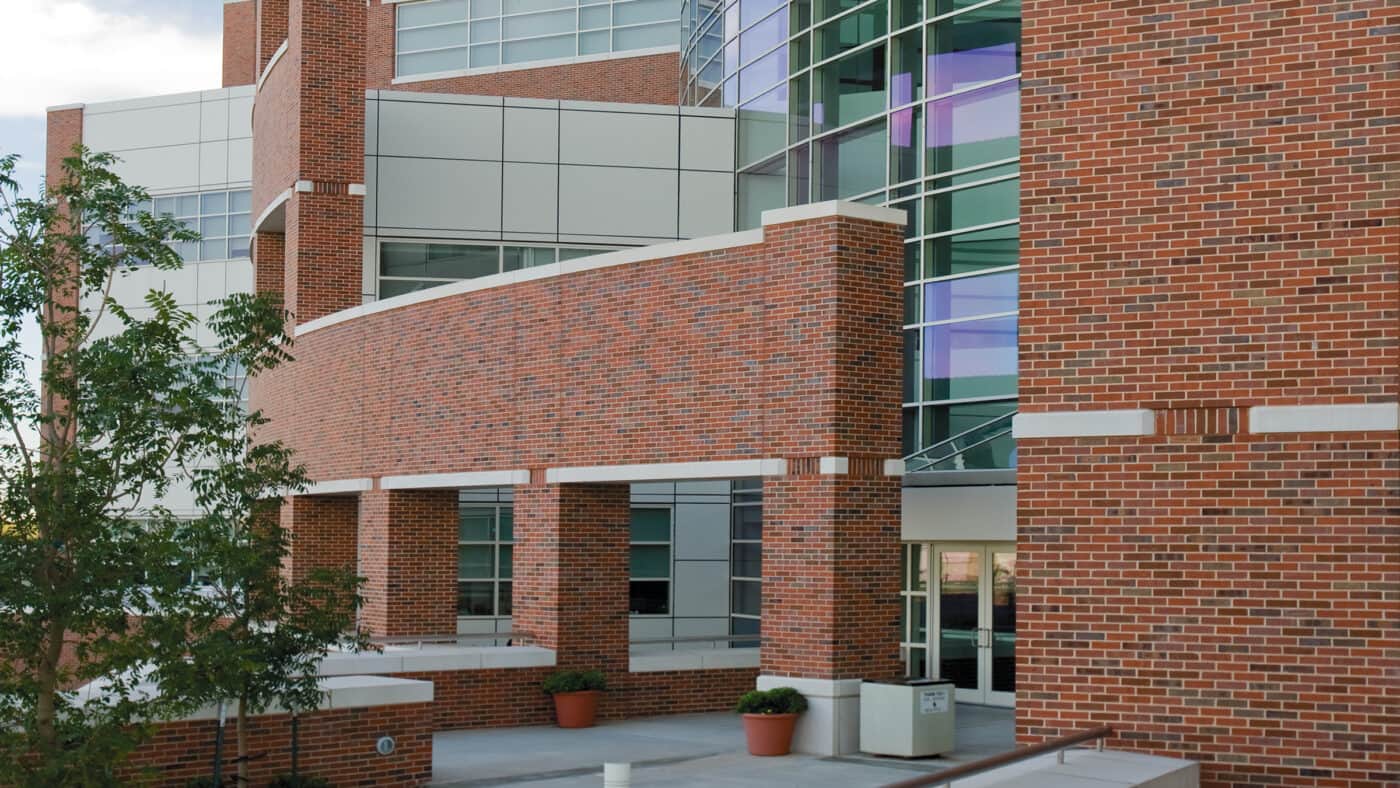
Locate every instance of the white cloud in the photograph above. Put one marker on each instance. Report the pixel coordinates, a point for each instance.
(67, 51)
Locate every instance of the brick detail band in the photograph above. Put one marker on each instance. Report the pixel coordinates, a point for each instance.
(1202, 421)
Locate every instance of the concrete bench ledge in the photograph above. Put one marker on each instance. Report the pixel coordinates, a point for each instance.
(349, 692)
(694, 659)
(1091, 769)
(430, 658)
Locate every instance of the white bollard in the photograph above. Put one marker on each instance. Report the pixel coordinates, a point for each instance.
(617, 775)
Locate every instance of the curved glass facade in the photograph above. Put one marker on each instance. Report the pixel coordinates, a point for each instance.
(908, 103)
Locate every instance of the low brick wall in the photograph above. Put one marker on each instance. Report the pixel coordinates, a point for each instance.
(506, 697)
(337, 744)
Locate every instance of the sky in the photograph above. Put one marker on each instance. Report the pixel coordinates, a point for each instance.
(66, 51)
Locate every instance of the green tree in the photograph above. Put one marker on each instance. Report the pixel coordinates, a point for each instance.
(95, 581)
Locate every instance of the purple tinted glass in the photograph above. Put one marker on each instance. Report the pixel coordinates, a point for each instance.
(762, 74)
(902, 128)
(991, 113)
(976, 348)
(751, 11)
(763, 36)
(969, 296)
(775, 101)
(901, 89)
(954, 70)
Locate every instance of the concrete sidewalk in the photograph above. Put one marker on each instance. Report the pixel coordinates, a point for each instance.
(685, 750)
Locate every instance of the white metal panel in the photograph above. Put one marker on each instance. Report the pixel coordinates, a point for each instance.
(701, 588)
(174, 167)
(174, 124)
(978, 514)
(531, 134)
(461, 131)
(706, 203)
(213, 120)
(238, 276)
(240, 117)
(707, 144)
(213, 164)
(530, 198)
(617, 201)
(702, 531)
(619, 138)
(439, 194)
(240, 161)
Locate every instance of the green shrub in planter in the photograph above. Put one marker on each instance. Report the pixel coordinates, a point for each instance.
(575, 681)
(779, 700)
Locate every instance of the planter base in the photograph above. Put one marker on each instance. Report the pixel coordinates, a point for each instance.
(576, 709)
(769, 734)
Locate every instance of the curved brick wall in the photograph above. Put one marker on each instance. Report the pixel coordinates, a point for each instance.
(740, 353)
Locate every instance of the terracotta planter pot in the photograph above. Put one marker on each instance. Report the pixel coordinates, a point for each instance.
(769, 734)
(576, 709)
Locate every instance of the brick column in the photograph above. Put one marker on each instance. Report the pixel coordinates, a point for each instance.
(240, 43)
(322, 532)
(271, 21)
(323, 260)
(571, 570)
(830, 594)
(268, 262)
(830, 614)
(408, 557)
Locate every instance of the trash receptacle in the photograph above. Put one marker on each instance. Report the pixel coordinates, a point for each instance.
(910, 719)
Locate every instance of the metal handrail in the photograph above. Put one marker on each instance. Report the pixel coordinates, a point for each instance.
(696, 639)
(421, 640)
(999, 760)
(922, 453)
(964, 450)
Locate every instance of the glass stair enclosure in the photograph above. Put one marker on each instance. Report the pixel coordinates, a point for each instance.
(987, 446)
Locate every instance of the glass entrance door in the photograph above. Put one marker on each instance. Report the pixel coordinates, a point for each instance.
(960, 618)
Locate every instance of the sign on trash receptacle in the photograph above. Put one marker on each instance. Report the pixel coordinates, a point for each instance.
(933, 701)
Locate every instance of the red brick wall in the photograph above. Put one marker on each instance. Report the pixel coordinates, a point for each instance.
(701, 357)
(830, 587)
(1208, 224)
(646, 79)
(338, 745)
(268, 271)
(271, 18)
(65, 130)
(464, 699)
(570, 572)
(408, 556)
(240, 43)
(322, 530)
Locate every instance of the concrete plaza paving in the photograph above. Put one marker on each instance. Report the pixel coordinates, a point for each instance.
(684, 750)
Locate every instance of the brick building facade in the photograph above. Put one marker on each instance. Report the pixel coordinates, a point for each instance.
(1165, 233)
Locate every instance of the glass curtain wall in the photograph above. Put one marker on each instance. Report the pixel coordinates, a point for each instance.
(908, 103)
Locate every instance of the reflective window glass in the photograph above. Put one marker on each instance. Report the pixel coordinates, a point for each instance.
(978, 46)
(850, 162)
(975, 358)
(969, 296)
(975, 205)
(974, 128)
(975, 251)
(849, 90)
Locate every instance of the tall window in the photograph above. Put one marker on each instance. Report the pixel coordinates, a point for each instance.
(913, 609)
(484, 557)
(650, 587)
(746, 560)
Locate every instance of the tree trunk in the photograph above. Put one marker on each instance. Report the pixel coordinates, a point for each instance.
(243, 740)
(46, 705)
